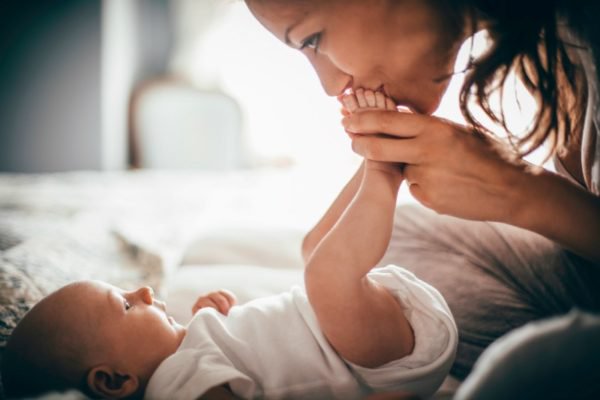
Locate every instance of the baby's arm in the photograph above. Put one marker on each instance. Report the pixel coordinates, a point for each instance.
(360, 318)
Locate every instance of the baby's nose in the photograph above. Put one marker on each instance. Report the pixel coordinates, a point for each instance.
(147, 295)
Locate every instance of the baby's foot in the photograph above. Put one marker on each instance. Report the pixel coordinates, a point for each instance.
(366, 99)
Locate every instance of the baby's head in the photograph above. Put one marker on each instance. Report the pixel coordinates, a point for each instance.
(93, 337)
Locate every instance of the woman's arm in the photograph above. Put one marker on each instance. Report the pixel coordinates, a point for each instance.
(455, 171)
(556, 208)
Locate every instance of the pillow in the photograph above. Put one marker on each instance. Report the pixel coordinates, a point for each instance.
(247, 282)
(276, 248)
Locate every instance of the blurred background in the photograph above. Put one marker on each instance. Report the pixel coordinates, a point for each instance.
(167, 84)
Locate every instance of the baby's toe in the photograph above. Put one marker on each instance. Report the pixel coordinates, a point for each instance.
(389, 104)
(380, 100)
(350, 103)
(370, 98)
(360, 97)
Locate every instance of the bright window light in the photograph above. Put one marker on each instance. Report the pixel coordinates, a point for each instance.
(288, 119)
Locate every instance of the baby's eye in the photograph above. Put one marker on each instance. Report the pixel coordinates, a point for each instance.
(127, 305)
(311, 42)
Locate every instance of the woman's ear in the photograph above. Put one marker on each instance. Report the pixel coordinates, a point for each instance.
(108, 383)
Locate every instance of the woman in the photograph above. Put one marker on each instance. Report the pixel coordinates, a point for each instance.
(540, 256)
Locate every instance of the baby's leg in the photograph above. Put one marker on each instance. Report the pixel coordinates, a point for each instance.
(360, 318)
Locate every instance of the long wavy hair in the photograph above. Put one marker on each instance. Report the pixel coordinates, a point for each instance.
(527, 38)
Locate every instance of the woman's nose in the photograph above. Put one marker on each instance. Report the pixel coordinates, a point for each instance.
(334, 80)
(146, 294)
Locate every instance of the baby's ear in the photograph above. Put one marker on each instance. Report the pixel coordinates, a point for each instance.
(107, 383)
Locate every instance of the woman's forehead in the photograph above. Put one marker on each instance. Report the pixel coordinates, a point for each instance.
(279, 16)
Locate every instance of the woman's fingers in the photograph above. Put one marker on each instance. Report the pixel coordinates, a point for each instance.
(389, 122)
(388, 149)
(415, 181)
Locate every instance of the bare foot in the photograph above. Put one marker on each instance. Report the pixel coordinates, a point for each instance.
(366, 99)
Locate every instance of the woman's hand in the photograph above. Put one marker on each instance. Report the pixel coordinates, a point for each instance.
(220, 300)
(449, 168)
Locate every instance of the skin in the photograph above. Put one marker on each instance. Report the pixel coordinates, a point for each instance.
(404, 49)
(132, 323)
(131, 333)
(127, 334)
(361, 320)
(354, 49)
(124, 335)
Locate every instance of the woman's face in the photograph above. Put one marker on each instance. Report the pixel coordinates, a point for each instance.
(402, 47)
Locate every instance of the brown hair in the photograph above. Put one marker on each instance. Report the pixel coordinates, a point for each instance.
(525, 39)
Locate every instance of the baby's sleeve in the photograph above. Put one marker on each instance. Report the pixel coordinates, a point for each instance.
(436, 337)
(188, 374)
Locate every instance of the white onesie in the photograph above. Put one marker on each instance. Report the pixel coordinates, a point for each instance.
(273, 348)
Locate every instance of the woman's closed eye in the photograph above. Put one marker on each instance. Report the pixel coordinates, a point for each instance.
(311, 42)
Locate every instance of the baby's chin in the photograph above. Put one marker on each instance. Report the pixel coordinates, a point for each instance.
(180, 329)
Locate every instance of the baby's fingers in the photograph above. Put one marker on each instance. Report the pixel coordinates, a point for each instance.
(204, 302)
(231, 299)
(222, 304)
(220, 300)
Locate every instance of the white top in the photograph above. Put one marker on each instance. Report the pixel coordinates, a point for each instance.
(273, 348)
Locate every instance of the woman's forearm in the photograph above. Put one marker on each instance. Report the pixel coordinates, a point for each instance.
(554, 207)
(333, 213)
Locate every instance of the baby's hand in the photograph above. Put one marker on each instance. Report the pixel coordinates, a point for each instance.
(220, 300)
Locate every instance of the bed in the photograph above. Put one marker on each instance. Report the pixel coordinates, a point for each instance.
(181, 232)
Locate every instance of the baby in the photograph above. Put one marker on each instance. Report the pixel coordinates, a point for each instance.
(356, 329)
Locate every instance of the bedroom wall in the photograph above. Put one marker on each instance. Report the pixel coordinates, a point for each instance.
(55, 60)
(50, 86)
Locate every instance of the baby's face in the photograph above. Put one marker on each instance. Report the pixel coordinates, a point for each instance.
(130, 329)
